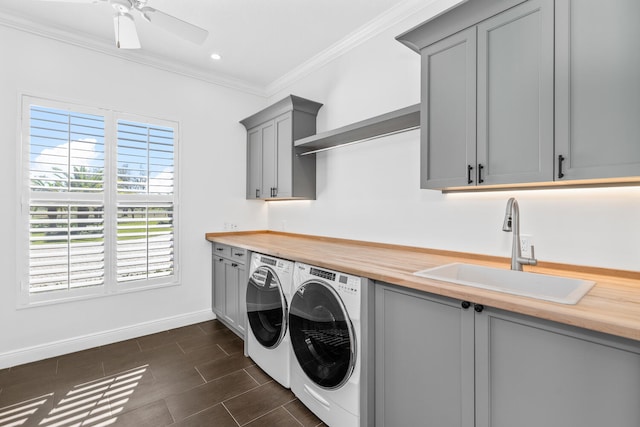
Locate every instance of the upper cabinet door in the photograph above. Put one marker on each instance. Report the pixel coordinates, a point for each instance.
(515, 95)
(284, 138)
(448, 112)
(597, 89)
(269, 159)
(254, 164)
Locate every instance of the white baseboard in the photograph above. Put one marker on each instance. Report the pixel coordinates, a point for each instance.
(58, 348)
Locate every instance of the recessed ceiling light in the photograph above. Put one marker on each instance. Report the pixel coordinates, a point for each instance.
(216, 56)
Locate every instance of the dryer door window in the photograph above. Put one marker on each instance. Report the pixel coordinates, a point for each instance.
(266, 307)
(321, 334)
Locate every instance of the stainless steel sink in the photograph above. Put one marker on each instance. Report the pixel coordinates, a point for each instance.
(563, 290)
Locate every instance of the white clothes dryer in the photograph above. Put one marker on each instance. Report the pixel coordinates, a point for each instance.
(325, 331)
(267, 298)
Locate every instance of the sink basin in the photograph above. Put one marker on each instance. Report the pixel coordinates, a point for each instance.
(541, 286)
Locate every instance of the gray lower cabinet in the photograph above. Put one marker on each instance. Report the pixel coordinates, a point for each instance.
(230, 286)
(597, 89)
(531, 372)
(487, 102)
(423, 360)
(274, 171)
(439, 364)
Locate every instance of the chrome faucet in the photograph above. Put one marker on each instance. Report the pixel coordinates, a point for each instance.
(512, 223)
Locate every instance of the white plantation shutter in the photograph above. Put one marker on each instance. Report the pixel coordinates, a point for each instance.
(98, 201)
(66, 246)
(145, 224)
(66, 151)
(66, 227)
(145, 242)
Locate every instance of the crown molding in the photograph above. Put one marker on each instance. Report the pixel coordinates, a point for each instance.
(406, 10)
(140, 57)
(383, 22)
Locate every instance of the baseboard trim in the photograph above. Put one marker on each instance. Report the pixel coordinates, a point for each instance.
(58, 348)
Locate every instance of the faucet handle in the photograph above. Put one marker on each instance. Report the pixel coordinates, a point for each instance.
(533, 260)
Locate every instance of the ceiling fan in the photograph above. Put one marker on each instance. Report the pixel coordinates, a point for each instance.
(126, 34)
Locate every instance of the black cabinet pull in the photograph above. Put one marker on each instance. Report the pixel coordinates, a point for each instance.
(257, 193)
(219, 249)
(560, 161)
(480, 167)
(466, 304)
(469, 169)
(275, 191)
(234, 265)
(239, 254)
(478, 308)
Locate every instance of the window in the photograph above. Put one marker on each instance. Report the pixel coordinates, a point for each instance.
(98, 201)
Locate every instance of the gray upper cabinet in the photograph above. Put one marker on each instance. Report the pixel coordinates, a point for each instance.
(274, 171)
(597, 89)
(495, 79)
(515, 95)
(448, 117)
(555, 92)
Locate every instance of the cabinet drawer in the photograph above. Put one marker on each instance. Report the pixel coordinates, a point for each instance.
(222, 250)
(238, 254)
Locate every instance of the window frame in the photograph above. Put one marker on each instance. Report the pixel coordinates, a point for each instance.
(109, 198)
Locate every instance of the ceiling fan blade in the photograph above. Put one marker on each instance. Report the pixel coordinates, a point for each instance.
(181, 28)
(125, 31)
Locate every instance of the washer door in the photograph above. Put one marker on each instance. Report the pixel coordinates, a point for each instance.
(266, 307)
(321, 334)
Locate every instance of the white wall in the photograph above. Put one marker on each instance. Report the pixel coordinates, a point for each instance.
(212, 188)
(370, 191)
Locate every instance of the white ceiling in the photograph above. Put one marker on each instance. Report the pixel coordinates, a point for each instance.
(260, 41)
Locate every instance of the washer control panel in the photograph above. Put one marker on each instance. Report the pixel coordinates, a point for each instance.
(348, 284)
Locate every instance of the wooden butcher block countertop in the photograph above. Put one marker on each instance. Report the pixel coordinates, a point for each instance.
(612, 306)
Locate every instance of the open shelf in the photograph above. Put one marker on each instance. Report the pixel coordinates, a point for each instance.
(396, 121)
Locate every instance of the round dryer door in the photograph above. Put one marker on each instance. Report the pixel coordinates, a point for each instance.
(266, 307)
(321, 334)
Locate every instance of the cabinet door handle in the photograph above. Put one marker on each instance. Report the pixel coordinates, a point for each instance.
(220, 259)
(239, 254)
(275, 192)
(469, 169)
(560, 161)
(478, 308)
(219, 249)
(466, 304)
(480, 167)
(234, 265)
(257, 193)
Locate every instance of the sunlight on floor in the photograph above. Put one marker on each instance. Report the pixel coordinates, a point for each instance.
(97, 403)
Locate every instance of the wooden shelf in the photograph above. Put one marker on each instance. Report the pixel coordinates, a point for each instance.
(396, 121)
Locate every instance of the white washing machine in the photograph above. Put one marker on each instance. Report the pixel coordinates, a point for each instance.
(325, 331)
(267, 298)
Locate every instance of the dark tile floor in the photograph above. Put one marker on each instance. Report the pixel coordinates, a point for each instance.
(191, 376)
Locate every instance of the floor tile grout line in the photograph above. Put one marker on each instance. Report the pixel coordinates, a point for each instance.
(245, 369)
(201, 376)
(268, 412)
(223, 350)
(229, 412)
(173, 420)
(289, 412)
